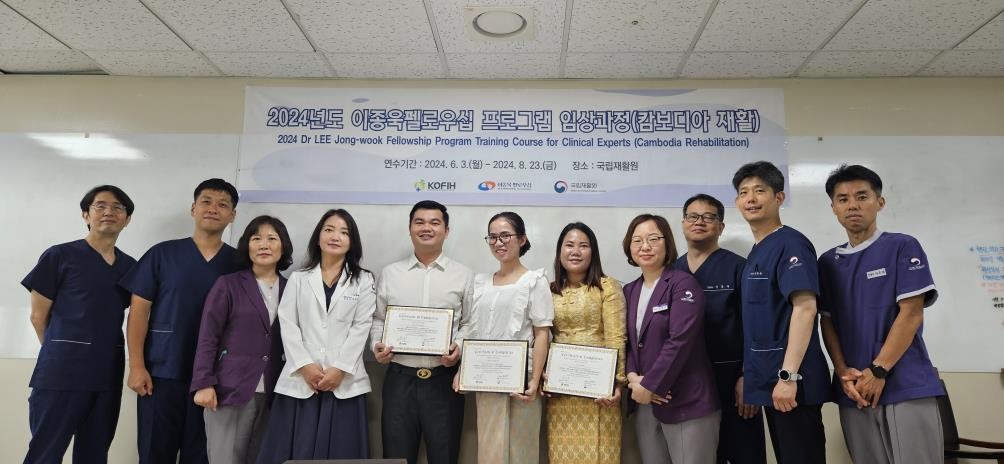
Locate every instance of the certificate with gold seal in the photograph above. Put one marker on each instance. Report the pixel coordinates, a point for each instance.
(417, 330)
(494, 366)
(580, 370)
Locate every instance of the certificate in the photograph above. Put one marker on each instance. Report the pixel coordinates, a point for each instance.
(581, 370)
(415, 330)
(493, 366)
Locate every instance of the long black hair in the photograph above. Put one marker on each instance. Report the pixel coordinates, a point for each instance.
(595, 271)
(352, 258)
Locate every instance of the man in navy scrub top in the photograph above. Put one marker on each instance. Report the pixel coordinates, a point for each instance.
(77, 310)
(783, 365)
(169, 285)
(720, 273)
(874, 291)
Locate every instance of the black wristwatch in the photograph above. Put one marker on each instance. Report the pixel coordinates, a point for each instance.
(878, 371)
(788, 376)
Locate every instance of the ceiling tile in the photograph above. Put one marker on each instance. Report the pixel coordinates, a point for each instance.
(966, 63)
(866, 63)
(17, 33)
(989, 37)
(663, 26)
(270, 64)
(913, 24)
(503, 65)
(367, 26)
(548, 23)
(47, 61)
(772, 25)
(233, 25)
(725, 65)
(387, 65)
(621, 65)
(152, 63)
(100, 24)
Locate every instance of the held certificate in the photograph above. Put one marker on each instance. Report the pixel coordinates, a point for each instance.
(415, 330)
(494, 366)
(580, 370)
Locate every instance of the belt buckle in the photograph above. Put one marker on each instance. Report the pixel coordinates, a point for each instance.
(423, 373)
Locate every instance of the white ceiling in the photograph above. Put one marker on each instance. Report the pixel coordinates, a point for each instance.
(419, 39)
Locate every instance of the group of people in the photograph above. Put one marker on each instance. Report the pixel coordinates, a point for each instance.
(234, 363)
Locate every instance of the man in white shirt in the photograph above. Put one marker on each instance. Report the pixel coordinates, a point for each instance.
(418, 397)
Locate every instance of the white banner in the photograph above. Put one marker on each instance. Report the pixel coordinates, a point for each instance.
(633, 148)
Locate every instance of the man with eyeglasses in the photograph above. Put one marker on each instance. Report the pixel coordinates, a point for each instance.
(719, 271)
(783, 365)
(418, 397)
(77, 310)
(169, 285)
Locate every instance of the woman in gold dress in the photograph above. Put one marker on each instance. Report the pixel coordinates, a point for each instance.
(588, 310)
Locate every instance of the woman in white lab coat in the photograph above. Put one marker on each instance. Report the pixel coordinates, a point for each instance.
(325, 315)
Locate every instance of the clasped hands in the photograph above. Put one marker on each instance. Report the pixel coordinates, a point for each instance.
(861, 386)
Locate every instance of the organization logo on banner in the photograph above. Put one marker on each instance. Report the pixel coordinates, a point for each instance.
(514, 186)
(560, 186)
(486, 186)
(441, 186)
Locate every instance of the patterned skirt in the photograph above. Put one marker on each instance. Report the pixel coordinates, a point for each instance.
(580, 431)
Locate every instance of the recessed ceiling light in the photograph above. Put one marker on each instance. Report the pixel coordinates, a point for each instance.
(499, 23)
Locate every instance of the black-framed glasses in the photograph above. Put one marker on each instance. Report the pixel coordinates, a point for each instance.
(504, 237)
(694, 217)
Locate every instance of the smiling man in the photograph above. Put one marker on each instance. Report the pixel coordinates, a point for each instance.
(783, 365)
(418, 396)
(77, 310)
(169, 285)
(874, 291)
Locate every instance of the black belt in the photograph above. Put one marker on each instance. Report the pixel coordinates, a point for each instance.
(423, 373)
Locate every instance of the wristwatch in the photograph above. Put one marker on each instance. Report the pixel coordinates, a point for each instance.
(787, 376)
(878, 371)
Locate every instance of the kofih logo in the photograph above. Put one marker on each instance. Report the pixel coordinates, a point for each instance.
(422, 184)
(560, 186)
(486, 186)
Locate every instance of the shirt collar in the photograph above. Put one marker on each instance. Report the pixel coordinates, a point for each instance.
(847, 249)
(441, 262)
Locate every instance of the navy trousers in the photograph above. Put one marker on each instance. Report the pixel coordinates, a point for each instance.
(740, 441)
(170, 425)
(55, 417)
(797, 435)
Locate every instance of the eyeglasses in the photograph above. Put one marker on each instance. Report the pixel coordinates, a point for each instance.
(652, 241)
(694, 217)
(105, 207)
(504, 237)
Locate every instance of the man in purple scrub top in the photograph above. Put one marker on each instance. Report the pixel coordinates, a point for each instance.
(874, 291)
(77, 310)
(783, 365)
(169, 285)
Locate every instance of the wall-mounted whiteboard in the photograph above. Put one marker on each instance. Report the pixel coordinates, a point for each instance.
(943, 190)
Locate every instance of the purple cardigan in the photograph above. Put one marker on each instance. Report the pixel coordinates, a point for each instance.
(236, 342)
(670, 352)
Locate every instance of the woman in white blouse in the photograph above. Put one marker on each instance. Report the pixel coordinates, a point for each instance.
(513, 303)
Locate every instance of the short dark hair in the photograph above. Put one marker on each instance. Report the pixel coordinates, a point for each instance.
(595, 272)
(852, 173)
(243, 257)
(218, 185)
(709, 200)
(429, 204)
(517, 224)
(660, 223)
(88, 199)
(352, 258)
(764, 170)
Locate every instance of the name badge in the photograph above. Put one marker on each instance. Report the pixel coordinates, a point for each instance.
(876, 273)
(660, 308)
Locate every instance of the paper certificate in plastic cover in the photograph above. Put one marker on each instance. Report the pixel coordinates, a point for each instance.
(416, 330)
(581, 370)
(494, 366)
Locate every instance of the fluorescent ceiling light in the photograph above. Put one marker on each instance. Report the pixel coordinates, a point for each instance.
(87, 146)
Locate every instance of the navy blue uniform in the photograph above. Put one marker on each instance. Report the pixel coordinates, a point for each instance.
(77, 381)
(739, 440)
(783, 263)
(176, 278)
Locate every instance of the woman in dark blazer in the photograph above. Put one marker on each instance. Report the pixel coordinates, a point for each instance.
(239, 353)
(668, 369)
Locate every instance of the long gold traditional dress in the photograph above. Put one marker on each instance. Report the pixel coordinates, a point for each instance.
(579, 431)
